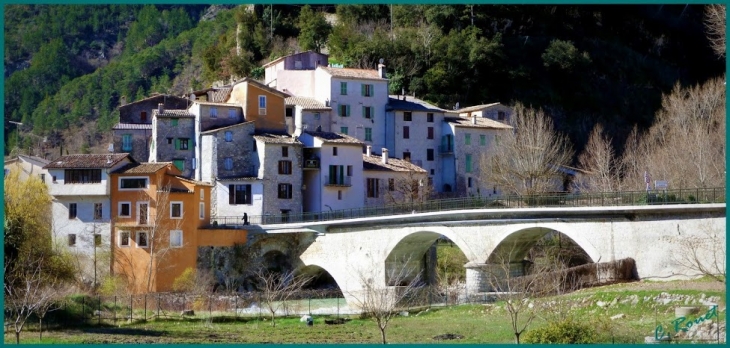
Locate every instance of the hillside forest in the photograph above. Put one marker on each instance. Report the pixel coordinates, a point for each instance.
(68, 66)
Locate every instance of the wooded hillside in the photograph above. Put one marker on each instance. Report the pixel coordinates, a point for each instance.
(66, 67)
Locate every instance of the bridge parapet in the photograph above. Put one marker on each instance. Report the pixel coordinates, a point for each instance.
(602, 199)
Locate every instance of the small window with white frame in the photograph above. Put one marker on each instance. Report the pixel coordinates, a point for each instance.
(125, 209)
(123, 238)
(229, 136)
(262, 105)
(202, 211)
(71, 239)
(176, 239)
(142, 239)
(176, 210)
(232, 113)
(133, 183)
(213, 112)
(202, 194)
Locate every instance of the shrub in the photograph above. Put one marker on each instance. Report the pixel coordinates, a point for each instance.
(568, 331)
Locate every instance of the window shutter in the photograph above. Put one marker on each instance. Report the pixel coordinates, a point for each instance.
(362, 89)
(364, 111)
(231, 194)
(177, 144)
(372, 89)
(347, 109)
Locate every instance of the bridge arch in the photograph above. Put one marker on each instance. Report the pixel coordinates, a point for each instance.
(519, 241)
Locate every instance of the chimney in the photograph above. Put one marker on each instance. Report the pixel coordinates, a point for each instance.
(369, 150)
(474, 119)
(123, 100)
(160, 108)
(381, 68)
(385, 156)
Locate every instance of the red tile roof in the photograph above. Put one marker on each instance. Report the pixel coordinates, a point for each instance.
(88, 161)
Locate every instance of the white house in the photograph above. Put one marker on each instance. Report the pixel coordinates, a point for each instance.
(81, 205)
(392, 180)
(492, 111)
(28, 166)
(332, 171)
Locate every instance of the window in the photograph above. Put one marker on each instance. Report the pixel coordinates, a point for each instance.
(334, 151)
(239, 194)
(176, 210)
(368, 134)
(143, 116)
(468, 163)
(229, 136)
(289, 112)
(141, 239)
(407, 116)
(467, 139)
(232, 113)
(343, 130)
(285, 151)
(468, 182)
(228, 163)
(179, 163)
(406, 132)
(391, 184)
(213, 112)
(71, 239)
(430, 133)
(367, 111)
(343, 88)
(339, 195)
(52, 178)
(202, 194)
(176, 238)
(429, 117)
(169, 141)
(126, 142)
(142, 213)
(285, 215)
(482, 140)
(201, 210)
(72, 211)
(262, 105)
(337, 175)
(184, 143)
(82, 176)
(174, 122)
(97, 211)
(132, 183)
(366, 90)
(284, 191)
(97, 239)
(316, 115)
(285, 167)
(429, 154)
(42, 177)
(372, 187)
(125, 209)
(255, 147)
(123, 238)
(501, 115)
(407, 156)
(344, 110)
(349, 170)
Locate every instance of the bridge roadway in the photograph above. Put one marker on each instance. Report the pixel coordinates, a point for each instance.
(368, 249)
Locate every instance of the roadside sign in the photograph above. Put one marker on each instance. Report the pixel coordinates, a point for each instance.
(661, 184)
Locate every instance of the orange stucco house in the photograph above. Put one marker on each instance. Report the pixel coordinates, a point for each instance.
(158, 224)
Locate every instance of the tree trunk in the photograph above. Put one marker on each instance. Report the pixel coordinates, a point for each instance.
(517, 337)
(17, 337)
(382, 333)
(40, 330)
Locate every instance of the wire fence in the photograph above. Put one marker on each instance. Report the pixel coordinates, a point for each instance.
(601, 199)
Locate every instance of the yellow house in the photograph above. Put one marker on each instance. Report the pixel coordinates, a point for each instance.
(262, 104)
(156, 218)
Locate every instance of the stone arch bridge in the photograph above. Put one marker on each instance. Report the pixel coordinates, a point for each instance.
(366, 249)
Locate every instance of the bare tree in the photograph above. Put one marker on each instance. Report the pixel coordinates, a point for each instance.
(715, 23)
(277, 288)
(599, 160)
(517, 289)
(412, 187)
(704, 255)
(686, 144)
(380, 301)
(527, 160)
(27, 291)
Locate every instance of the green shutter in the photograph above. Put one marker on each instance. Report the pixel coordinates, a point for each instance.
(468, 163)
(348, 110)
(177, 144)
(364, 110)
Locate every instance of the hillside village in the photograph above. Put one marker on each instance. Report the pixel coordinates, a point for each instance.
(310, 138)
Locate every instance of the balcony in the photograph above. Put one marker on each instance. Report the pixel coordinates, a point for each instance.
(311, 164)
(345, 181)
(447, 149)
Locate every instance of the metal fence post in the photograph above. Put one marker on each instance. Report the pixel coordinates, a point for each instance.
(115, 309)
(158, 305)
(83, 309)
(145, 307)
(210, 306)
(130, 309)
(99, 310)
(235, 307)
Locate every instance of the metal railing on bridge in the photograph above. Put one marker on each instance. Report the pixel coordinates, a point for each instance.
(602, 199)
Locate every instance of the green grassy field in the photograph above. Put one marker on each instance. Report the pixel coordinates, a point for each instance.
(640, 306)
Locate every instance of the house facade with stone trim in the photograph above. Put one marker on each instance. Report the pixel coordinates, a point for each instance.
(157, 217)
(281, 173)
